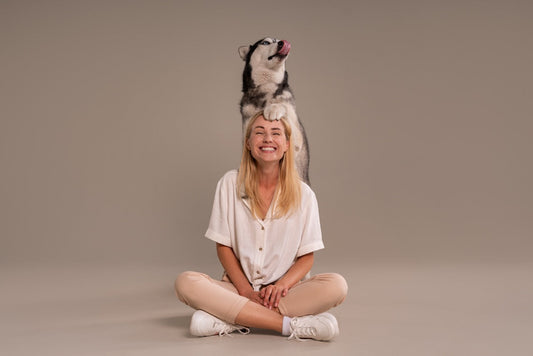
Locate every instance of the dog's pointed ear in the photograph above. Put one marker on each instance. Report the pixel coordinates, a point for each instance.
(243, 51)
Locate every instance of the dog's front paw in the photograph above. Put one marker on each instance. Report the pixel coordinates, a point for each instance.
(275, 112)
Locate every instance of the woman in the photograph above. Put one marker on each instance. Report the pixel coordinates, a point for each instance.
(266, 227)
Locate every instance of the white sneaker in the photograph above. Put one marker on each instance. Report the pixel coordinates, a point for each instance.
(321, 327)
(205, 324)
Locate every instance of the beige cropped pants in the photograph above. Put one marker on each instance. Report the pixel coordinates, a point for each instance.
(221, 299)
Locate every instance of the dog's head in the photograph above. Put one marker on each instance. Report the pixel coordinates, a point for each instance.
(267, 55)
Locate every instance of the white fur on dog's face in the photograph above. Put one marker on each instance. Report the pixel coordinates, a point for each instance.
(266, 49)
(266, 66)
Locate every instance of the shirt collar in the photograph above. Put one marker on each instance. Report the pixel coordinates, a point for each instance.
(246, 201)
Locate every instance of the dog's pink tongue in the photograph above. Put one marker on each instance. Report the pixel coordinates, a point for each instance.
(286, 48)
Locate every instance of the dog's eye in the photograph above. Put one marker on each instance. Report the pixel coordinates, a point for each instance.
(265, 43)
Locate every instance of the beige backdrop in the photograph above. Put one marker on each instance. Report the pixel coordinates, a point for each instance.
(119, 117)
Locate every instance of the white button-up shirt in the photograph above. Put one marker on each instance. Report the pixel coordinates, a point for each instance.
(265, 248)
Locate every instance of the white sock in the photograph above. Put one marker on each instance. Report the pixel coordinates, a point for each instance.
(286, 326)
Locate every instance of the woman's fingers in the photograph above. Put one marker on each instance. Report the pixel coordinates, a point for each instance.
(280, 294)
(276, 298)
(272, 295)
(256, 297)
(266, 299)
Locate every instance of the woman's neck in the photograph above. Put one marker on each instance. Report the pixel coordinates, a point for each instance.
(268, 180)
(268, 175)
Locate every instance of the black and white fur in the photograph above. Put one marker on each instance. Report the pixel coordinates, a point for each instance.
(265, 87)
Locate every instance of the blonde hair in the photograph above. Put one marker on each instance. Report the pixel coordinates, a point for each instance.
(288, 195)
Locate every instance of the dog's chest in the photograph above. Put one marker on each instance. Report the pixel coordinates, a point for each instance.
(267, 77)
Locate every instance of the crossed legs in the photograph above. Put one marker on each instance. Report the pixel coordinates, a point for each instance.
(221, 299)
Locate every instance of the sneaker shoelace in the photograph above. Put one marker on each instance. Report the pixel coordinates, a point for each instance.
(227, 329)
(302, 330)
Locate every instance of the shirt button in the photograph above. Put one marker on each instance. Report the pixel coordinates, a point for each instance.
(260, 249)
(257, 272)
(262, 227)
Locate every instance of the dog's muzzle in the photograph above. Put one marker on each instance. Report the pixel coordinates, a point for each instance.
(284, 48)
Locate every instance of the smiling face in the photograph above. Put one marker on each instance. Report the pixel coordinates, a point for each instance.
(267, 141)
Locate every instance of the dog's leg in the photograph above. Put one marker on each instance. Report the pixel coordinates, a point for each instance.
(275, 111)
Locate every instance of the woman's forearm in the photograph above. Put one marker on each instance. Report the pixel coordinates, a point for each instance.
(297, 271)
(272, 294)
(233, 269)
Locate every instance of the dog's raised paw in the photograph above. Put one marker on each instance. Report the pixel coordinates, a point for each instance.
(275, 112)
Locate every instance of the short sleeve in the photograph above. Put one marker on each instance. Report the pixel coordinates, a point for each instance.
(219, 227)
(312, 233)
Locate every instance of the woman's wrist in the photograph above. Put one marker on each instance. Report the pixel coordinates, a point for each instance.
(246, 292)
(282, 284)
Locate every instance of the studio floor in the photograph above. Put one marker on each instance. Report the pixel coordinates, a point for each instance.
(396, 309)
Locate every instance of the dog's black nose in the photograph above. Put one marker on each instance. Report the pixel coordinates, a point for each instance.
(280, 45)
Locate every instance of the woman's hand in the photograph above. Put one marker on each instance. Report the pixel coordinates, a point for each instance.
(272, 294)
(253, 296)
(256, 297)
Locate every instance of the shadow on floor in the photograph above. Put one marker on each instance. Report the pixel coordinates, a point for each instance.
(179, 323)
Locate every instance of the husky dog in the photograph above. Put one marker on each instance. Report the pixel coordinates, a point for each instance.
(265, 87)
